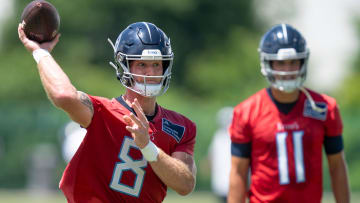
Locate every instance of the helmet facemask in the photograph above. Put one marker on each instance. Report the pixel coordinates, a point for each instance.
(287, 81)
(127, 78)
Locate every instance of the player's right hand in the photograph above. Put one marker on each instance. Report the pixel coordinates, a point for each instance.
(138, 125)
(31, 45)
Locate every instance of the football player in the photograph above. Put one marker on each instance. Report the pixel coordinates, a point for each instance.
(134, 148)
(279, 132)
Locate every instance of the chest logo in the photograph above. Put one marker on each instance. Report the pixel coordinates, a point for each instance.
(311, 113)
(172, 129)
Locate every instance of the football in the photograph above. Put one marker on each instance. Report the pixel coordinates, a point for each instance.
(42, 21)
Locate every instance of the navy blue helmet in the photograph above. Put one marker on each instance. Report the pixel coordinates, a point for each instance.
(283, 42)
(143, 41)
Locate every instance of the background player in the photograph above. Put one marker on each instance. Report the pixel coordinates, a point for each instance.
(219, 155)
(133, 148)
(279, 132)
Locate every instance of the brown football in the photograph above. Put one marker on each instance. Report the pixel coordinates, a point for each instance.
(42, 21)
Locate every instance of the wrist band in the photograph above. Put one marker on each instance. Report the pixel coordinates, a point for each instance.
(38, 54)
(150, 151)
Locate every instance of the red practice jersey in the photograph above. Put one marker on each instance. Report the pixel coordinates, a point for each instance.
(286, 150)
(109, 167)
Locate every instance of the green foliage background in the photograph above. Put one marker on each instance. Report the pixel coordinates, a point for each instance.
(216, 64)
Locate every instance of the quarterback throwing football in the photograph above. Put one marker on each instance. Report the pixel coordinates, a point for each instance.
(134, 148)
(279, 132)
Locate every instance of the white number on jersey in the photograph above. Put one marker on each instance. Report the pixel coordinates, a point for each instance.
(127, 163)
(283, 158)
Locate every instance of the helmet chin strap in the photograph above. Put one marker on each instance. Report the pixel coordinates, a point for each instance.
(307, 94)
(312, 103)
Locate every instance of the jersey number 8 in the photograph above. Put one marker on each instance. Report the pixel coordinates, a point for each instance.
(127, 163)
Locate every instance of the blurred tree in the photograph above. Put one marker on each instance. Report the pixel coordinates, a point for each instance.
(229, 71)
(194, 25)
(349, 103)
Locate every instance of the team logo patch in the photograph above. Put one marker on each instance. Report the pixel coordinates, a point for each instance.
(311, 113)
(172, 129)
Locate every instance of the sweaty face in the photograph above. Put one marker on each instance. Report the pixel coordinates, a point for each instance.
(147, 68)
(286, 66)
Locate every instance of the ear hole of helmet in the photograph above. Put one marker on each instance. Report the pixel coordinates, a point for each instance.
(302, 61)
(165, 65)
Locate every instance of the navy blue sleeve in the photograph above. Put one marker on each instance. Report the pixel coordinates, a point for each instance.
(241, 150)
(333, 144)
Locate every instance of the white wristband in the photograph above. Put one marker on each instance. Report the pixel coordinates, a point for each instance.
(38, 54)
(150, 151)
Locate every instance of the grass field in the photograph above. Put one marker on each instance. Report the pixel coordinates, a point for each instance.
(16, 196)
(10, 196)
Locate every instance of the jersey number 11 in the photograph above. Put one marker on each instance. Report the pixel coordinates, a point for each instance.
(283, 157)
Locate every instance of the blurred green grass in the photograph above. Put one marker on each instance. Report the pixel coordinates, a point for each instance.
(17, 196)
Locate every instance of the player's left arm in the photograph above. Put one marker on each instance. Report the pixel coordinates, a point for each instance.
(334, 148)
(177, 171)
(339, 177)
